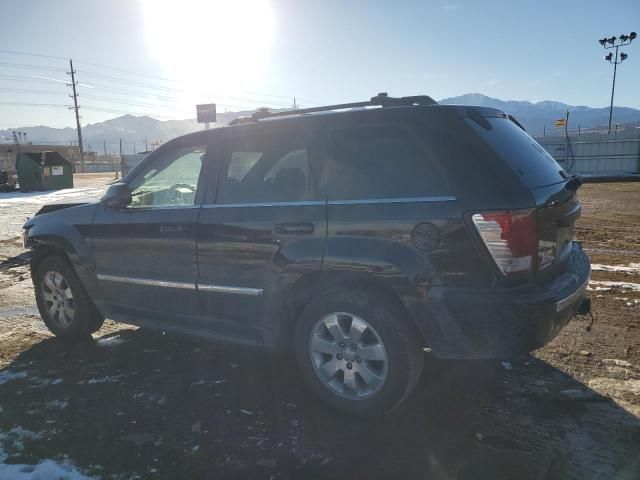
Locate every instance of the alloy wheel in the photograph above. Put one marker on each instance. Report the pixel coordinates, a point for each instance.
(58, 299)
(348, 356)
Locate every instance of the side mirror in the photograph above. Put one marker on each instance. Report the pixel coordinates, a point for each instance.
(117, 195)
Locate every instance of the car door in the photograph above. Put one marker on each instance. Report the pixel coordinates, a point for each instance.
(145, 253)
(266, 224)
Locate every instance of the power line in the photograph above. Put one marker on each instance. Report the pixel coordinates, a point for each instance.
(151, 95)
(137, 104)
(27, 104)
(26, 90)
(132, 93)
(30, 67)
(15, 52)
(97, 86)
(129, 82)
(111, 110)
(21, 78)
(130, 72)
(130, 102)
(167, 89)
(169, 80)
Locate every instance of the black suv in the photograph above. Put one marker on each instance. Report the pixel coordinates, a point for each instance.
(356, 236)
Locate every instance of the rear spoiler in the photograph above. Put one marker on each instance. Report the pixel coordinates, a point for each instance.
(513, 119)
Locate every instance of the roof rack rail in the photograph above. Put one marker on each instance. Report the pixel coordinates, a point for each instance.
(380, 100)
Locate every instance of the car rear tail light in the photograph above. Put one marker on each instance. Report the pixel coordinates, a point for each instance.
(511, 238)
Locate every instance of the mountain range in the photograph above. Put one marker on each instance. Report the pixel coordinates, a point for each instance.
(535, 116)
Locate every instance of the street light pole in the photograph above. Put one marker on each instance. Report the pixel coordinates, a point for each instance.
(615, 59)
(613, 89)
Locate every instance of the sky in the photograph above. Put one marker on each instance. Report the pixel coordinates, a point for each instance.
(160, 58)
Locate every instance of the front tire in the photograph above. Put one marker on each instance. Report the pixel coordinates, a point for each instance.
(62, 301)
(357, 352)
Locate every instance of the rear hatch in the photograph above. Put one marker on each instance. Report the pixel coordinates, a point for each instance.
(554, 191)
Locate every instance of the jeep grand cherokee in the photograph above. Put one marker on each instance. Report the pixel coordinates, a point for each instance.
(354, 236)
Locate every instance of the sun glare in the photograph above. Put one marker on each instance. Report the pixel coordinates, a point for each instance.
(216, 47)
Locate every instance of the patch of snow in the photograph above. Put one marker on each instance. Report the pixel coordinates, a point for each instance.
(52, 196)
(618, 362)
(604, 285)
(111, 341)
(17, 207)
(8, 375)
(43, 470)
(44, 382)
(107, 379)
(17, 435)
(57, 404)
(630, 268)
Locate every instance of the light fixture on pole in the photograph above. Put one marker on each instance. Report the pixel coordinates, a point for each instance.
(615, 42)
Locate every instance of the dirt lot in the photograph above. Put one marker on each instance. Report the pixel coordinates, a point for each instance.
(138, 404)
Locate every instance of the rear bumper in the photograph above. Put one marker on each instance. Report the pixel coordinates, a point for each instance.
(502, 323)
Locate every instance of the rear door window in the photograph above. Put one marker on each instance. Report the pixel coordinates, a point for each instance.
(379, 162)
(532, 163)
(269, 165)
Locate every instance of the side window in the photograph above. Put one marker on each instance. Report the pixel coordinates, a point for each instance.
(296, 159)
(267, 167)
(171, 180)
(380, 162)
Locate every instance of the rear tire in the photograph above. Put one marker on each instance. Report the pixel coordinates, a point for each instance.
(357, 352)
(62, 301)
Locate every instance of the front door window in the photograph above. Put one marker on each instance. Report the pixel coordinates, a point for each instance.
(170, 181)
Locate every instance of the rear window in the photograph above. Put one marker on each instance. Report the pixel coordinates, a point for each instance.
(521, 152)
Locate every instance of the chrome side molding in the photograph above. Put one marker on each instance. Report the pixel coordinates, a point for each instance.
(184, 285)
(146, 281)
(254, 292)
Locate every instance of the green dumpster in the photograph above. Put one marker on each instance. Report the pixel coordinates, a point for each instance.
(43, 171)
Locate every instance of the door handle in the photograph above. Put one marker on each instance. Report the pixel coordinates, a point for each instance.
(295, 228)
(173, 228)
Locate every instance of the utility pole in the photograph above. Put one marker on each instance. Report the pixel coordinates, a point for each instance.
(295, 105)
(121, 160)
(615, 59)
(146, 146)
(566, 136)
(76, 108)
(104, 147)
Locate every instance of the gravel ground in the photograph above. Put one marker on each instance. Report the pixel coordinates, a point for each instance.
(132, 403)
